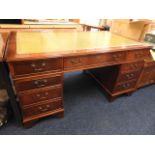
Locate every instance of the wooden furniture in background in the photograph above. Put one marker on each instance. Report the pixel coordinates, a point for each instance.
(38, 61)
(37, 26)
(87, 27)
(75, 20)
(132, 29)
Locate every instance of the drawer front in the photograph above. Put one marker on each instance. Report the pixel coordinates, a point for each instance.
(37, 82)
(40, 95)
(38, 66)
(128, 76)
(82, 61)
(43, 108)
(75, 62)
(124, 86)
(129, 67)
(107, 58)
(139, 54)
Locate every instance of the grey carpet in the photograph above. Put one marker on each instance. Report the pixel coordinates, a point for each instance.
(87, 111)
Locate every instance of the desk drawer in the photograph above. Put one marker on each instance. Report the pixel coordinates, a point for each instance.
(139, 55)
(46, 107)
(39, 95)
(37, 66)
(128, 76)
(83, 61)
(125, 86)
(129, 67)
(74, 62)
(38, 82)
(107, 58)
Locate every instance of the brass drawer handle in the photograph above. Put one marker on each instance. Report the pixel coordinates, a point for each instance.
(42, 96)
(48, 106)
(40, 83)
(130, 75)
(42, 109)
(35, 68)
(33, 65)
(43, 64)
(39, 68)
(76, 61)
(126, 85)
(116, 56)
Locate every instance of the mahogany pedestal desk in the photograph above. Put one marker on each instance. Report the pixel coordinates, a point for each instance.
(38, 60)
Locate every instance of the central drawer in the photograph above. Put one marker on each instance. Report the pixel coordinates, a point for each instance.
(23, 68)
(75, 62)
(38, 82)
(32, 97)
(80, 62)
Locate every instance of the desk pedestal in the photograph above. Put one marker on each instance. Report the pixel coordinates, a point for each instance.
(117, 80)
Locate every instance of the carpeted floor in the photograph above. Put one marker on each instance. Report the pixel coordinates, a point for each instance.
(87, 111)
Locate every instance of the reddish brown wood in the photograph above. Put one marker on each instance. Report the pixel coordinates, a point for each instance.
(38, 77)
(130, 67)
(30, 123)
(36, 67)
(87, 27)
(32, 119)
(140, 54)
(125, 86)
(128, 76)
(117, 80)
(43, 108)
(39, 95)
(39, 81)
(72, 63)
